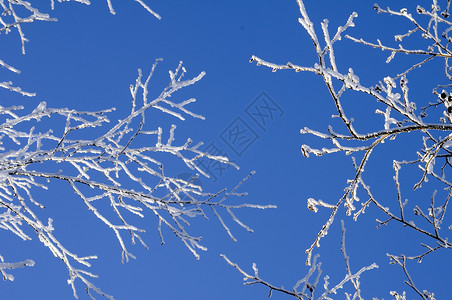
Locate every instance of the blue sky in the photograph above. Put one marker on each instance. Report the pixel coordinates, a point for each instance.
(89, 57)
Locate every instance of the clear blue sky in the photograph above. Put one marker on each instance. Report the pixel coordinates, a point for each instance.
(88, 59)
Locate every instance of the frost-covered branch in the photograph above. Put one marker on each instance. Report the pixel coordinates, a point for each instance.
(11, 266)
(113, 166)
(397, 114)
(401, 261)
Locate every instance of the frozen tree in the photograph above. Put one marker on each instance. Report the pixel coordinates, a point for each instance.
(397, 115)
(122, 164)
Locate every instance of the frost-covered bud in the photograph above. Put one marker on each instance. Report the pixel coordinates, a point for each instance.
(449, 98)
(449, 109)
(443, 95)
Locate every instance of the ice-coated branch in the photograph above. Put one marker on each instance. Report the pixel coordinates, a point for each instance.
(401, 261)
(396, 114)
(111, 165)
(11, 266)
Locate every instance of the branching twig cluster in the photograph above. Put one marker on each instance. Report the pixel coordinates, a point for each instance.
(107, 165)
(400, 117)
(98, 163)
(101, 163)
(131, 179)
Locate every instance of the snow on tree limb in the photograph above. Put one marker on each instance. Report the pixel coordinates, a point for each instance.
(401, 115)
(112, 166)
(11, 266)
